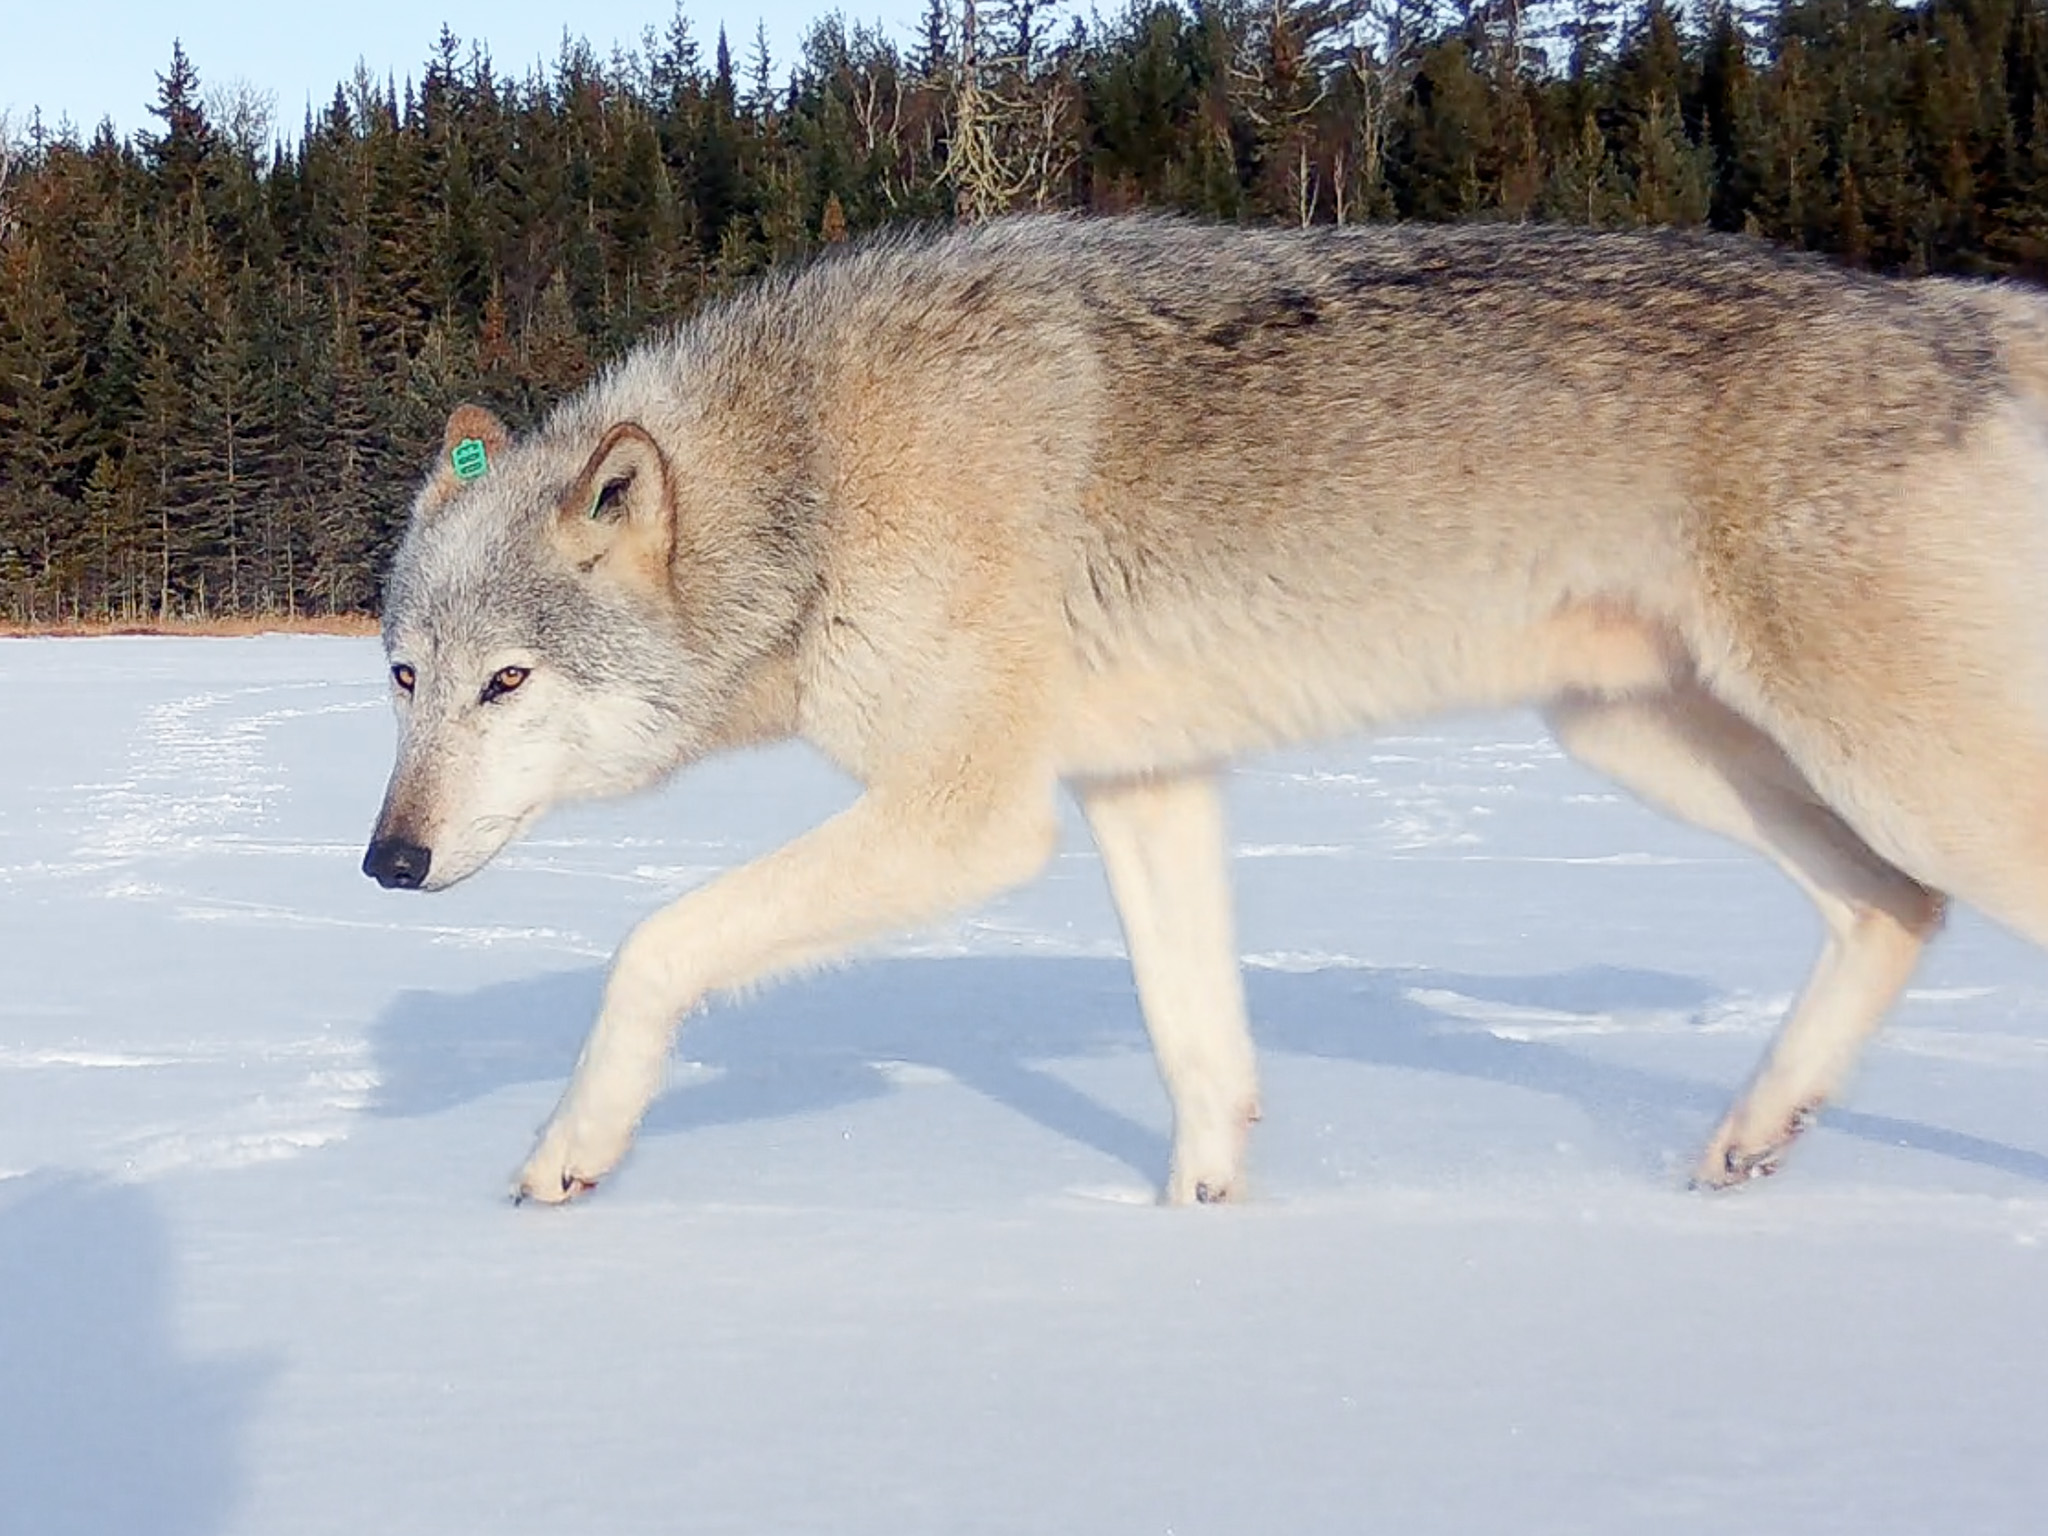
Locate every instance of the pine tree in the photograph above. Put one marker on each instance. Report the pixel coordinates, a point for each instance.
(1667, 174)
(43, 427)
(221, 360)
(935, 50)
(180, 156)
(1442, 172)
(1731, 121)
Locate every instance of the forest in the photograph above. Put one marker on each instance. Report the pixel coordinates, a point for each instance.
(227, 345)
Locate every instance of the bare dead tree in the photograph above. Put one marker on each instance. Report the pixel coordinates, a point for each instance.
(877, 94)
(243, 114)
(10, 157)
(1014, 128)
(1382, 55)
(1278, 79)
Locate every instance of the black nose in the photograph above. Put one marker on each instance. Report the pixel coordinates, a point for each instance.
(396, 864)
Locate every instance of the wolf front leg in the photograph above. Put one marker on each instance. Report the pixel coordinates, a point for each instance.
(889, 862)
(1163, 847)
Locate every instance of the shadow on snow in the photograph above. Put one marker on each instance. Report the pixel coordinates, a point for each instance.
(105, 1429)
(990, 1022)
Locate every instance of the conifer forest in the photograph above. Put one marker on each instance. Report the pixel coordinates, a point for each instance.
(227, 344)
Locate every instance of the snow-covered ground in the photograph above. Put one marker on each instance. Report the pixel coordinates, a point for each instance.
(884, 1259)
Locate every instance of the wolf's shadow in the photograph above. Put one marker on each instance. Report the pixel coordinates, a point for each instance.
(106, 1429)
(990, 1022)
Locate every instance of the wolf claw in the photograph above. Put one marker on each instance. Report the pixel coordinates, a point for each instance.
(573, 1187)
(1736, 1171)
(1735, 1167)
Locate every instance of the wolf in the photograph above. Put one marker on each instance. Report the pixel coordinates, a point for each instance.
(1106, 503)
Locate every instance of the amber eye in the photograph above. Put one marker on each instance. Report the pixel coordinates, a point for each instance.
(404, 676)
(503, 681)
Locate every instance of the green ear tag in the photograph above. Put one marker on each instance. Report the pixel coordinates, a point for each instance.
(468, 459)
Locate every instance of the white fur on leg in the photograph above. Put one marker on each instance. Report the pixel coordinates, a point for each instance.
(1869, 957)
(884, 864)
(616, 1078)
(1691, 755)
(1163, 847)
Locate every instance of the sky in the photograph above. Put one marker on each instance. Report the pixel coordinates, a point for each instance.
(91, 59)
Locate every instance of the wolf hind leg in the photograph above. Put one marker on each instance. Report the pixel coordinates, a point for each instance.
(1162, 845)
(1690, 755)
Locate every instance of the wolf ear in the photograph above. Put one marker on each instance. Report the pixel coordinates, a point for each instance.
(619, 513)
(473, 440)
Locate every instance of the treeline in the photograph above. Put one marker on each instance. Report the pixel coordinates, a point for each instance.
(224, 355)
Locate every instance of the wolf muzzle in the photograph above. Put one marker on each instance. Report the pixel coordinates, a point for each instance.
(396, 864)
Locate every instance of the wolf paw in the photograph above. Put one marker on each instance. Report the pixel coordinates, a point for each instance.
(562, 1168)
(1220, 1187)
(1732, 1160)
(1209, 1170)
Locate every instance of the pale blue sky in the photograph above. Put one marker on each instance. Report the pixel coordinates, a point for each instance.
(88, 59)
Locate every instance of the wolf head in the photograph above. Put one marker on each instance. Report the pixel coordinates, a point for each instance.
(536, 650)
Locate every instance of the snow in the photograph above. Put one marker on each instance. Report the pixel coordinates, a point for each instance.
(885, 1258)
